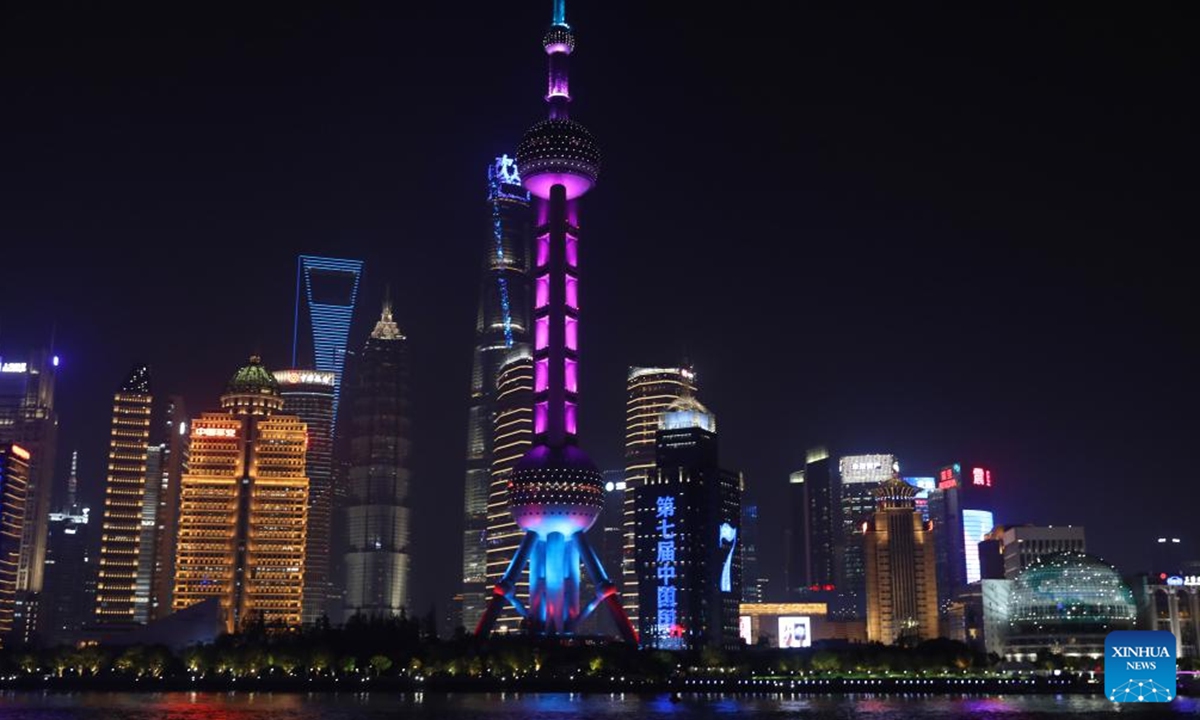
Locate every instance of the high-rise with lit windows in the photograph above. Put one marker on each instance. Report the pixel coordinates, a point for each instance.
(501, 328)
(512, 436)
(310, 395)
(376, 559)
(649, 391)
(121, 534)
(243, 507)
(14, 484)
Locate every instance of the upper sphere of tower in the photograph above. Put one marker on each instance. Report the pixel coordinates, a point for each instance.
(559, 39)
(558, 152)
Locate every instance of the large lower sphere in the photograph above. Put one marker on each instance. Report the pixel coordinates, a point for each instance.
(555, 490)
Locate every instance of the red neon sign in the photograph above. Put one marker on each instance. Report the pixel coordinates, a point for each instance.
(981, 477)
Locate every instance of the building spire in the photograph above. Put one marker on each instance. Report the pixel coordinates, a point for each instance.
(73, 481)
(387, 303)
(560, 14)
(386, 328)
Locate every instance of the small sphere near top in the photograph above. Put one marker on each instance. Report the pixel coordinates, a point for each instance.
(558, 152)
(559, 39)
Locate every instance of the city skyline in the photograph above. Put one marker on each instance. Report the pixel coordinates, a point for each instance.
(944, 299)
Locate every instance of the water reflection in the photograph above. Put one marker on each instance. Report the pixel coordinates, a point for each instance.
(561, 706)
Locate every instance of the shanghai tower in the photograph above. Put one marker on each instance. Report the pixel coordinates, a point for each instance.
(501, 328)
(555, 492)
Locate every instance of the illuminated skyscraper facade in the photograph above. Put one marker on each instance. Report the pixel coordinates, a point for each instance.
(326, 291)
(501, 328)
(121, 529)
(859, 476)
(649, 392)
(14, 485)
(689, 543)
(243, 507)
(309, 395)
(376, 560)
(961, 510)
(901, 580)
(28, 417)
(512, 436)
(555, 490)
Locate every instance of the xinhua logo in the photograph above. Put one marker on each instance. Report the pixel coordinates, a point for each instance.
(1139, 666)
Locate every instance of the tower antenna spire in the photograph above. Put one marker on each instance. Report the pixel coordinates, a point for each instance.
(560, 14)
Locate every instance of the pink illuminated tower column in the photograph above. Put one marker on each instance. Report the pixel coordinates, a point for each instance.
(555, 490)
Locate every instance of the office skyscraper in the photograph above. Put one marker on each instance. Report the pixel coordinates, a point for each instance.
(376, 560)
(754, 584)
(501, 327)
(512, 436)
(243, 507)
(28, 417)
(69, 590)
(555, 490)
(815, 517)
(689, 549)
(961, 510)
(898, 555)
(14, 484)
(858, 478)
(309, 395)
(649, 392)
(326, 291)
(121, 535)
(170, 435)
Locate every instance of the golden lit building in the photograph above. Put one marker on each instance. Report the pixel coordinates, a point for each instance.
(649, 392)
(901, 572)
(512, 436)
(124, 494)
(244, 507)
(14, 491)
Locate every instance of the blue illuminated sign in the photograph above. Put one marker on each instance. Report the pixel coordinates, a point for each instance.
(728, 534)
(667, 616)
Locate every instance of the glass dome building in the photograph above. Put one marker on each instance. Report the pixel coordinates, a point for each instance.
(1066, 603)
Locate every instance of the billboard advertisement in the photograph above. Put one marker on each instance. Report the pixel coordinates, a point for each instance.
(744, 630)
(795, 631)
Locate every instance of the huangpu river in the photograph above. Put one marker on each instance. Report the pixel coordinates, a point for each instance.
(564, 706)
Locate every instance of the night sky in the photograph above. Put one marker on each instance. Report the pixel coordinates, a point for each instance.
(951, 235)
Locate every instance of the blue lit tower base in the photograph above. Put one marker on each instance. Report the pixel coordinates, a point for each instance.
(555, 492)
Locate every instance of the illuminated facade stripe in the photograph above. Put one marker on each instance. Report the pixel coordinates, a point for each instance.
(330, 321)
(14, 489)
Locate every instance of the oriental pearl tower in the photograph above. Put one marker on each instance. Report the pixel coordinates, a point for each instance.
(555, 491)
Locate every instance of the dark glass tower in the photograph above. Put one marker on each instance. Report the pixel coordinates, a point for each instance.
(961, 511)
(501, 329)
(689, 544)
(310, 395)
(376, 559)
(70, 587)
(555, 492)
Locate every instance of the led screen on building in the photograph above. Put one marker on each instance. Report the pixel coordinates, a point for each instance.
(976, 525)
(744, 629)
(795, 631)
